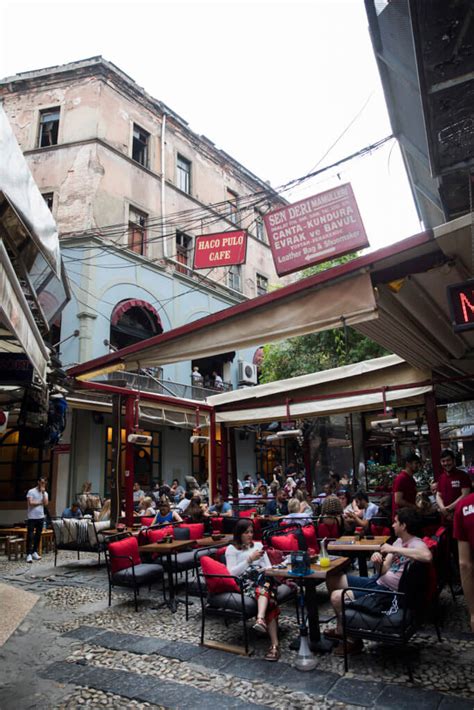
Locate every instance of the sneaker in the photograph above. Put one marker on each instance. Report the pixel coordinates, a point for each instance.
(29, 558)
(36, 556)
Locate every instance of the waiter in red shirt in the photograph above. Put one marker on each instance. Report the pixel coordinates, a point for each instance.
(463, 531)
(453, 485)
(404, 486)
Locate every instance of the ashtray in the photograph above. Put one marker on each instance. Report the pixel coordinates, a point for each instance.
(217, 536)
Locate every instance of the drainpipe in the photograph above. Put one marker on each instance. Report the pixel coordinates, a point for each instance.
(163, 178)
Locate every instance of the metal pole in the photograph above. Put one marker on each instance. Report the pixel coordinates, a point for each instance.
(233, 461)
(433, 433)
(224, 471)
(115, 472)
(212, 457)
(129, 459)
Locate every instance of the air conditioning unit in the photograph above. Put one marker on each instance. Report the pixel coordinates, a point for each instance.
(198, 439)
(247, 373)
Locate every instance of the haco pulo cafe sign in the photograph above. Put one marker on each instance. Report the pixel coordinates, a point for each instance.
(316, 229)
(222, 249)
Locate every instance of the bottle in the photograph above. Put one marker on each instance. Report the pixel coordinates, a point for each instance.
(324, 560)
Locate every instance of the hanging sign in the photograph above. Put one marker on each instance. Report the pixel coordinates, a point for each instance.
(314, 230)
(461, 304)
(222, 249)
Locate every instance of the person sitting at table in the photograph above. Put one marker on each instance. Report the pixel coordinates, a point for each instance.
(145, 507)
(331, 511)
(366, 511)
(220, 507)
(247, 560)
(104, 514)
(346, 500)
(261, 491)
(176, 490)
(301, 494)
(278, 506)
(390, 564)
(246, 495)
(196, 511)
(295, 515)
(165, 514)
(73, 511)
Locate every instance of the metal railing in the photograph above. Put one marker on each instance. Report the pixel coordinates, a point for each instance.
(149, 383)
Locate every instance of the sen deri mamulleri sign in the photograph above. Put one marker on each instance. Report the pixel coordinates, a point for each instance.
(222, 249)
(316, 229)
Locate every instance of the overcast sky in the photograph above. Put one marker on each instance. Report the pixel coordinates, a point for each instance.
(274, 84)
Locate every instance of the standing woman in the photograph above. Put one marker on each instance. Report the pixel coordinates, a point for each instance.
(248, 560)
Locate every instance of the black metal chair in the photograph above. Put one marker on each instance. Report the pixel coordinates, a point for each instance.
(232, 605)
(125, 568)
(390, 617)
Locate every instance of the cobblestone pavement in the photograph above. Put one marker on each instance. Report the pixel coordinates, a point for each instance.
(73, 650)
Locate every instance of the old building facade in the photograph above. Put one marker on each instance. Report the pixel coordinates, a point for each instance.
(130, 186)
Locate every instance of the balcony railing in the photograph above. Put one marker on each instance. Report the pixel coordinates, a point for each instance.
(149, 383)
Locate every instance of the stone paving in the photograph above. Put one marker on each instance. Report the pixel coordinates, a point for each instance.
(73, 650)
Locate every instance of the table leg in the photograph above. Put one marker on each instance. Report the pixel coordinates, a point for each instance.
(363, 571)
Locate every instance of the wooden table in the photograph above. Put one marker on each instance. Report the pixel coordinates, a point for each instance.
(362, 548)
(308, 583)
(46, 536)
(210, 542)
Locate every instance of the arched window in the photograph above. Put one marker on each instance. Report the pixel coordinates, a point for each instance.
(133, 320)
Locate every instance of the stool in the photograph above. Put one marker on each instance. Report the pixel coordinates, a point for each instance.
(3, 544)
(15, 546)
(46, 542)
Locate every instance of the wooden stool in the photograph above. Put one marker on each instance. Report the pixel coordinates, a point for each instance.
(15, 546)
(46, 542)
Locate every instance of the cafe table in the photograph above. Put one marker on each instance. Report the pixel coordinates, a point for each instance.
(361, 547)
(309, 582)
(46, 536)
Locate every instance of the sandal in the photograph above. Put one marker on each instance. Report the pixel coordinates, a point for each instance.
(260, 626)
(273, 654)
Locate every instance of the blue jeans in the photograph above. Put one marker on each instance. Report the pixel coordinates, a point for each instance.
(367, 583)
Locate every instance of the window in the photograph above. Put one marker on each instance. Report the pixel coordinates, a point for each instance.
(234, 278)
(137, 231)
(183, 174)
(140, 145)
(260, 228)
(183, 251)
(22, 462)
(48, 197)
(147, 461)
(232, 206)
(48, 127)
(262, 285)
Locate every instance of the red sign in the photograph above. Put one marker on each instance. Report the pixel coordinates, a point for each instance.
(461, 304)
(223, 249)
(316, 229)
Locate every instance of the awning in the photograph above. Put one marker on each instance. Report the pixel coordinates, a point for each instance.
(16, 319)
(325, 407)
(303, 307)
(125, 306)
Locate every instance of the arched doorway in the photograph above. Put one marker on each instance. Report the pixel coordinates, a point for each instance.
(133, 320)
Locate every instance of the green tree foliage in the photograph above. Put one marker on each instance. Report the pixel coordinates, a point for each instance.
(317, 351)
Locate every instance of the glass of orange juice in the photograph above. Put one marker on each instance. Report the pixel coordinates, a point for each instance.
(324, 562)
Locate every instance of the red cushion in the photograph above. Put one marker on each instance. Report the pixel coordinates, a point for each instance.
(146, 537)
(285, 542)
(328, 530)
(247, 513)
(146, 521)
(217, 585)
(196, 530)
(120, 551)
(310, 536)
(220, 551)
(217, 524)
(275, 556)
(257, 529)
(380, 530)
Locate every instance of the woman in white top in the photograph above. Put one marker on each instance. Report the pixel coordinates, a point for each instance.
(248, 560)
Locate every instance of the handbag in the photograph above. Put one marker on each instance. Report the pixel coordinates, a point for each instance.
(376, 604)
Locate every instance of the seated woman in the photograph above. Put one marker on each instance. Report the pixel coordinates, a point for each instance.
(331, 511)
(145, 507)
(197, 511)
(103, 514)
(301, 494)
(220, 507)
(295, 513)
(176, 490)
(165, 514)
(247, 559)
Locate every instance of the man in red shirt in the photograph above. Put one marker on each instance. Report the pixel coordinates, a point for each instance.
(404, 486)
(453, 485)
(464, 533)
